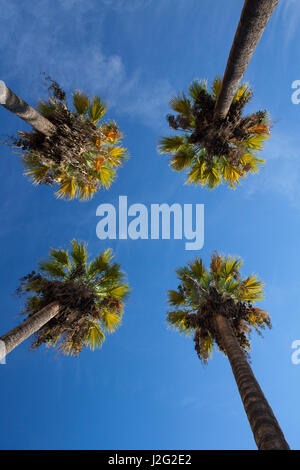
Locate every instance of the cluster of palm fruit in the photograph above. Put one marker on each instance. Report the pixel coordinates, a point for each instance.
(82, 155)
(212, 149)
(90, 295)
(220, 290)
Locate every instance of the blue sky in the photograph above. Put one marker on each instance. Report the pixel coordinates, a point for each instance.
(146, 389)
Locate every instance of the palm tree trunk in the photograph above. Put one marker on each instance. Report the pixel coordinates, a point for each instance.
(265, 428)
(254, 18)
(29, 326)
(16, 105)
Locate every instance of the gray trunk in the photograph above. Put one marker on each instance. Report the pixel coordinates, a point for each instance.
(254, 18)
(17, 335)
(265, 428)
(17, 106)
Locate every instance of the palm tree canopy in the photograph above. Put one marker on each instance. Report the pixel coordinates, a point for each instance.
(220, 290)
(91, 295)
(214, 150)
(82, 156)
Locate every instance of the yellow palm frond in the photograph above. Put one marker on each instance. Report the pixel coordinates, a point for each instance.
(87, 191)
(230, 173)
(111, 320)
(251, 289)
(216, 87)
(67, 188)
(255, 142)
(251, 163)
(95, 336)
(97, 109)
(117, 151)
(120, 291)
(106, 176)
(243, 91)
(230, 267)
(177, 320)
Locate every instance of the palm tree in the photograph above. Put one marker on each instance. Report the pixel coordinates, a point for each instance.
(72, 148)
(218, 145)
(214, 152)
(72, 303)
(254, 18)
(217, 306)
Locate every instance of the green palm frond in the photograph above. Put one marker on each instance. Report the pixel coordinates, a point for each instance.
(181, 104)
(81, 102)
(177, 320)
(170, 144)
(97, 109)
(197, 269)
(175, 298)
(216, 87)
(79, 252)
(99, 264)
(61, 256)
(196, 88)
(183, 273)
(46, 108)
(37, 174)
(183, 158)
(53, 268)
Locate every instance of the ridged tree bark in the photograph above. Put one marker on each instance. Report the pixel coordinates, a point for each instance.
(17, 335)
(265, 428)
(16, 105)
(254, 18)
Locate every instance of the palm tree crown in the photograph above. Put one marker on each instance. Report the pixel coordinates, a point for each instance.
(82, 155)
(91, 297)
(202, 294)
(214, 150)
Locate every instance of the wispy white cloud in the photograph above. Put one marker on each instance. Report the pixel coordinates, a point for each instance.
(289, 10)
(53, 38)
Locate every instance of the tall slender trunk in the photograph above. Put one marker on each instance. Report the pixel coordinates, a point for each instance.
(16, 105)
(254, 18)
(265, 428)
(17, 335)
